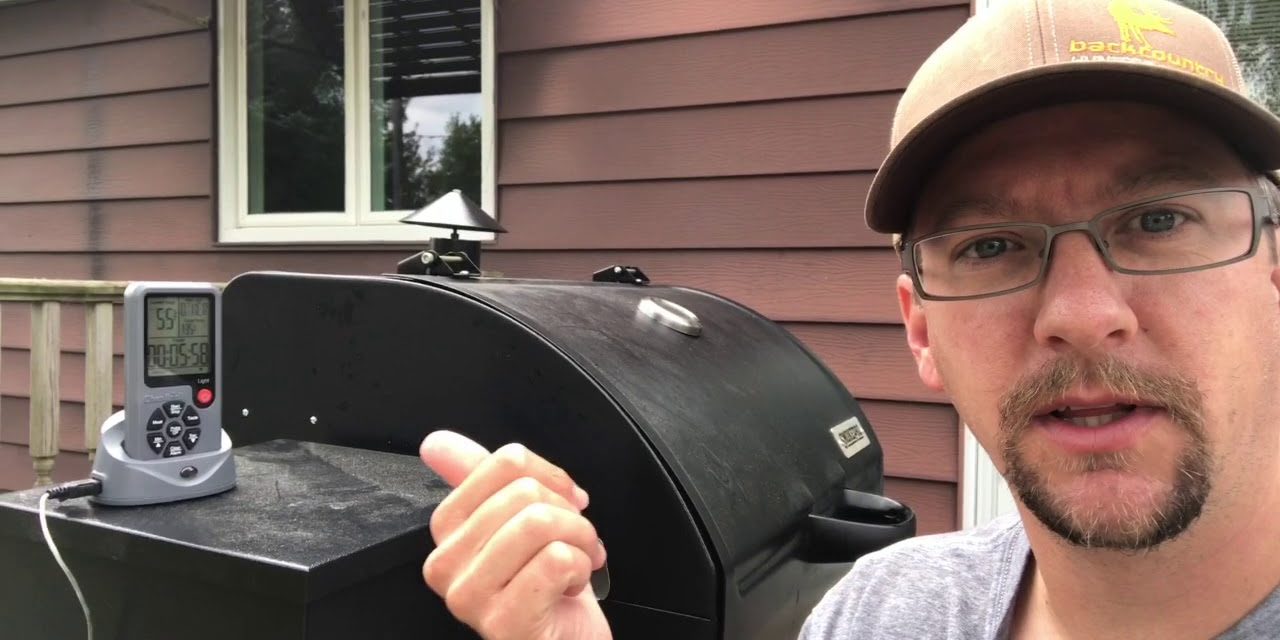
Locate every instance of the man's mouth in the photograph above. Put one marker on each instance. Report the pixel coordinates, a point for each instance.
(1083, 408)
(1090, 425)
(1093, 416)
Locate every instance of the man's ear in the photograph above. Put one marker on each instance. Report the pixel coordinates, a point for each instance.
(918, 333)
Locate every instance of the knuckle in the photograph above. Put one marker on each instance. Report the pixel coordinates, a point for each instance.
(579, 529)
(513, 456)
(537, 519)
(461, 601)
(561, 556)
(438, 525)
(494, 623)
(432, 575)
(589, 530)
(585, 528)
(559, 553)
(526, 489)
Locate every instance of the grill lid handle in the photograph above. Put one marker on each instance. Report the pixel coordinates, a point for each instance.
(670, 315)
(856, 525)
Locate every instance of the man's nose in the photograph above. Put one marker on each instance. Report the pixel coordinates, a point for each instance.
(1083, 307)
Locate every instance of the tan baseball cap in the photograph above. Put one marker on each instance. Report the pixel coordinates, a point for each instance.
(1024, 54)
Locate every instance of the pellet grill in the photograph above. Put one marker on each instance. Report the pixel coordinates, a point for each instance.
(733, 478)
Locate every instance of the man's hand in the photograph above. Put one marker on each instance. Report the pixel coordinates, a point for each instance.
(514, 555)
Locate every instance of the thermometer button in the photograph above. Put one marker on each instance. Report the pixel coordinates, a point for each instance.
(156, 421)
(174, 409)
(204, 397)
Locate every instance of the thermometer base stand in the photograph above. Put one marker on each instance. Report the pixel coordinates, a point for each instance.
(130, 482)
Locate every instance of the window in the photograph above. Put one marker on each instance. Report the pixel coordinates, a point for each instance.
(338, 117)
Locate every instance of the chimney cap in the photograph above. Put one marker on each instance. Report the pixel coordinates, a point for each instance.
(454, 210)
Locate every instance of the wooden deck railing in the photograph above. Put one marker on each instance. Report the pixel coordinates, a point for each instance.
(46, 298)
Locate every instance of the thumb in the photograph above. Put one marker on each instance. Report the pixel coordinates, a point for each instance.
(451, 455)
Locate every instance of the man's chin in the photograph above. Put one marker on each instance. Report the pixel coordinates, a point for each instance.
(1110, 508)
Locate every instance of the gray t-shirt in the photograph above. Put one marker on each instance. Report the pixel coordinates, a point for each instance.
(957, 586)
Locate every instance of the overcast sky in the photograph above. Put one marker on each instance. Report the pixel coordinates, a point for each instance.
(431, 113)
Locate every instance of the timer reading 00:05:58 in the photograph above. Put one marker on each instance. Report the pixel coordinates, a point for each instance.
(178, 355)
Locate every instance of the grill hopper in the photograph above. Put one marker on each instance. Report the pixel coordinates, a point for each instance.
(716, 458)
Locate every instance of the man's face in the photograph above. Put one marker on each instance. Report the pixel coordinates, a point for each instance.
(1119, 407)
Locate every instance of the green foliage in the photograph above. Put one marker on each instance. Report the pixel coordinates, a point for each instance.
(459, 163)
(424, 172)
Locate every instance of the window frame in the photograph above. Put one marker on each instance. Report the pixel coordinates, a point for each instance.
(356, 223)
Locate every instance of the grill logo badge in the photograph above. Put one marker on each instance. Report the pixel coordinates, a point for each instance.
(850, 437)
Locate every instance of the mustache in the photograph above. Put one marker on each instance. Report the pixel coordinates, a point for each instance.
(1177, 395)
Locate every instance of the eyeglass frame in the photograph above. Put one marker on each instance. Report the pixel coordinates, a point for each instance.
(1264, 210)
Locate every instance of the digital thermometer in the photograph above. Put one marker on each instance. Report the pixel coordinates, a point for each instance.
(172, 369)
(168, 443)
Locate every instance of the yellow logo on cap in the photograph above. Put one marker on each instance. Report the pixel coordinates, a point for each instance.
(1133, 20)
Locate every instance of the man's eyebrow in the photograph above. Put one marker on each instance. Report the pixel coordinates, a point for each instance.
(1127, 184)
(1146, 179)
(953, 212)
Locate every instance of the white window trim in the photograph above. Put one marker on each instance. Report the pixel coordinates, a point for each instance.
(356, 224)
(986, 496)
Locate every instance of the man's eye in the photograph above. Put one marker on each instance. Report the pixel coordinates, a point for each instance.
(1158, 220)
(986, 248)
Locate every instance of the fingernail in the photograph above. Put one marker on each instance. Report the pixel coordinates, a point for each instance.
(580, 497)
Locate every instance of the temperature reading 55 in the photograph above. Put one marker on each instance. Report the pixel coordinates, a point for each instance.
(164, 317)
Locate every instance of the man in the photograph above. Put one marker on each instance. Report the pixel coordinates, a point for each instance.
(1089, 241)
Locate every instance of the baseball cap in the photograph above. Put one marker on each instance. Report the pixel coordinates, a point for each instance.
(1025, 54)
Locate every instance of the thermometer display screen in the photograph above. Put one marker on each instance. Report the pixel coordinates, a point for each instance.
(179, 336)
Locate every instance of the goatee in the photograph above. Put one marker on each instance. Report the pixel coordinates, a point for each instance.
(1138, 528)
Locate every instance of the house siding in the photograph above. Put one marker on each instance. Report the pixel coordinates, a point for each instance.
(105, 127)
(725, 145)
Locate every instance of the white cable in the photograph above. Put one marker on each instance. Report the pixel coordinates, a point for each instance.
(44, 527)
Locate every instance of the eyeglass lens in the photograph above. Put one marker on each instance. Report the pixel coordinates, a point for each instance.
(1181, 232)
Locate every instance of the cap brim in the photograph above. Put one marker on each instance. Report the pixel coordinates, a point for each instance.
(1249, 128)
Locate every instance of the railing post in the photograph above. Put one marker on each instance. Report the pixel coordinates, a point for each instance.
(45, 356)
(98, 352)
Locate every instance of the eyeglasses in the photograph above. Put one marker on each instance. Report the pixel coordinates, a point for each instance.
(1177, 233)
